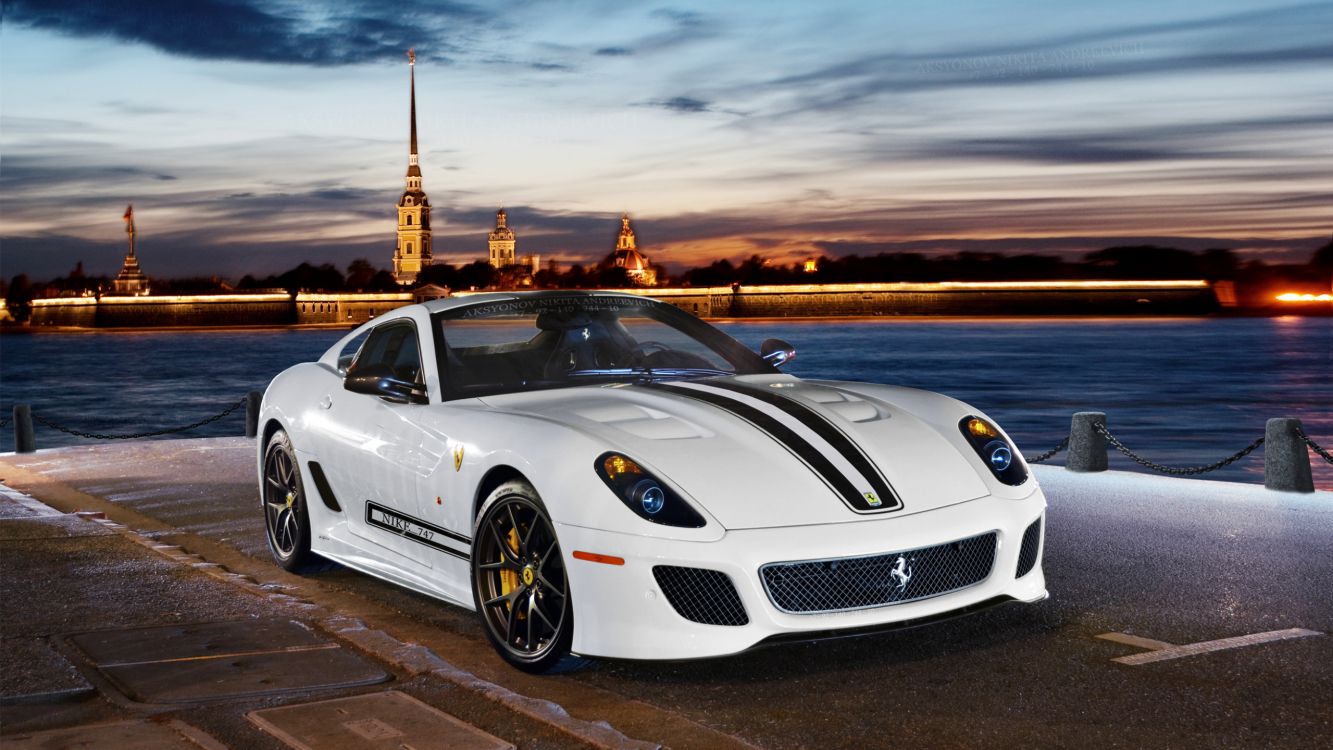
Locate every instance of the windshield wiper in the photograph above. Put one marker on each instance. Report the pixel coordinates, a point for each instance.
(649, 374)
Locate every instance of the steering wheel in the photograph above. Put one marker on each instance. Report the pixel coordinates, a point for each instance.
(567, 359)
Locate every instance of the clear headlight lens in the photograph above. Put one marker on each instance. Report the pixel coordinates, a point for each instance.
(994, 450)
(997, 451)
(644, 493)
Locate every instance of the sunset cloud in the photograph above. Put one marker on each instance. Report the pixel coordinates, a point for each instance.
(253, 136)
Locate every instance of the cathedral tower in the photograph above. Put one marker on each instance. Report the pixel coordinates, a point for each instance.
(413, 252)
(502, 242)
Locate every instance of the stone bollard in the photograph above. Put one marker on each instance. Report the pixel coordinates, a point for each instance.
(1286, 457)
(252, 401)
(24, 440)
(1087, 447)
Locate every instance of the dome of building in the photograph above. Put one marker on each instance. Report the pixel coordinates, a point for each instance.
(418, 198)
(630, 259)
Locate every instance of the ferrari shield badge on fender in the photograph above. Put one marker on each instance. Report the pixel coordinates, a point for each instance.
(874, 501)
(458, 457)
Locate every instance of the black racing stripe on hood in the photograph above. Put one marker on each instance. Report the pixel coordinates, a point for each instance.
(829, 433)
(798, 445)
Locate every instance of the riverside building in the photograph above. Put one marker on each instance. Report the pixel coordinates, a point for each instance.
(501, 242)
(627, 256)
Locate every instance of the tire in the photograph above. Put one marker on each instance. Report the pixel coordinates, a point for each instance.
(519, 583)
(283, 498)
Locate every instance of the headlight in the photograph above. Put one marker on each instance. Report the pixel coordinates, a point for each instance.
(994, 450)
(644, 494)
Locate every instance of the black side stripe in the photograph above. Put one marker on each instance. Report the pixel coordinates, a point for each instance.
(783, 435)
(423, 534)
(827, 431)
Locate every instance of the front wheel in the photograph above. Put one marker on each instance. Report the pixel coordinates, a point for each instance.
(519, 582)
(286, 518)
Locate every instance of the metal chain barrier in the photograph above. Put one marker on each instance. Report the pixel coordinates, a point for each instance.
(1314, 446)
(1187, 471)
(1043, 456)
(98, 436)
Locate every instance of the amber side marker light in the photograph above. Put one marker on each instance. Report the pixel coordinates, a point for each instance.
(979, 428)
(594, 557)
(1296, 297)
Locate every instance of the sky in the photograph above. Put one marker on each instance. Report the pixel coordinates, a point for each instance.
(253, 135)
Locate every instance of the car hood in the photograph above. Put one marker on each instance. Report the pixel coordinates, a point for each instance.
(757, 451)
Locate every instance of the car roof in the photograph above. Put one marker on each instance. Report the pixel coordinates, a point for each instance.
(465, 299)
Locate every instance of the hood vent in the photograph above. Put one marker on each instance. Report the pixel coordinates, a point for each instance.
(640, 421)
(850, 407)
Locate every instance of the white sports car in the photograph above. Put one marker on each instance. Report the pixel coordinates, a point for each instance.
(601, 474)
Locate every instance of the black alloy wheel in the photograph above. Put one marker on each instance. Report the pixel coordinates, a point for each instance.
(285, 516)
(519, 582)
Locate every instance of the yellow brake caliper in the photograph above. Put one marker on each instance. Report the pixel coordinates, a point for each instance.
(509, 578)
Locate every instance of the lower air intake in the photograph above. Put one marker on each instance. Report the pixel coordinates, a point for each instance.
(1027, 552)
(701, 595)
(847, 583)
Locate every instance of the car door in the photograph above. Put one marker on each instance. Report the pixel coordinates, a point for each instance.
(377, 450)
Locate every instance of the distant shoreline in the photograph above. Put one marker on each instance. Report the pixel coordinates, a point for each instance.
(10, 329)
(994, 300)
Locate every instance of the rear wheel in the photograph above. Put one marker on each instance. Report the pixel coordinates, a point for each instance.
(285, 516)
(519, 581)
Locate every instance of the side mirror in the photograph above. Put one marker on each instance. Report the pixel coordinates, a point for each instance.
(777, 352)
(379, 380)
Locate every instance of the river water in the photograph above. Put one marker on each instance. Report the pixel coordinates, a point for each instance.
(1181, 391)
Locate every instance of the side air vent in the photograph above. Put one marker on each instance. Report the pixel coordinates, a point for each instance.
(323, 488)
(1027, 552)
(701, 595)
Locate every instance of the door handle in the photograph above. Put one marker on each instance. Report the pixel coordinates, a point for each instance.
(326, 402)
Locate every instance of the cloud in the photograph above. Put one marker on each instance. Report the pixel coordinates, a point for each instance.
(1071, 247)
(250, 30)
(1258, 39)
(1061, 150)
(1212, 140)
(684, 27)
(681, 104)
(123, 107)
(23, 173)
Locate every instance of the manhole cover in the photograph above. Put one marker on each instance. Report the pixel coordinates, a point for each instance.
(221, 660)
(378, 720)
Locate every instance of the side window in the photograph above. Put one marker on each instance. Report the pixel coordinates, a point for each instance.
(348, 353)
(395, 346)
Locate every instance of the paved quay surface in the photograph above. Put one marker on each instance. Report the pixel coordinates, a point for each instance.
(1227, 588)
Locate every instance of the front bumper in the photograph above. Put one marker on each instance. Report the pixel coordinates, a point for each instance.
(621, 612)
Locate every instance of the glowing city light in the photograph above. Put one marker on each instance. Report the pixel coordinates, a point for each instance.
(1298, 297)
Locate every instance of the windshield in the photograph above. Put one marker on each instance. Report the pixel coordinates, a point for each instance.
(559, 340)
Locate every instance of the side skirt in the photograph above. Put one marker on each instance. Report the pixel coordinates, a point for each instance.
(396, 576)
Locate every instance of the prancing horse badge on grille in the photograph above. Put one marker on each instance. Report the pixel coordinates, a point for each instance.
(902, 572)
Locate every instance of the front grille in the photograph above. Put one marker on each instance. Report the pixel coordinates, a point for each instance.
(701, 595)
(847, 583)
(1027, 551)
